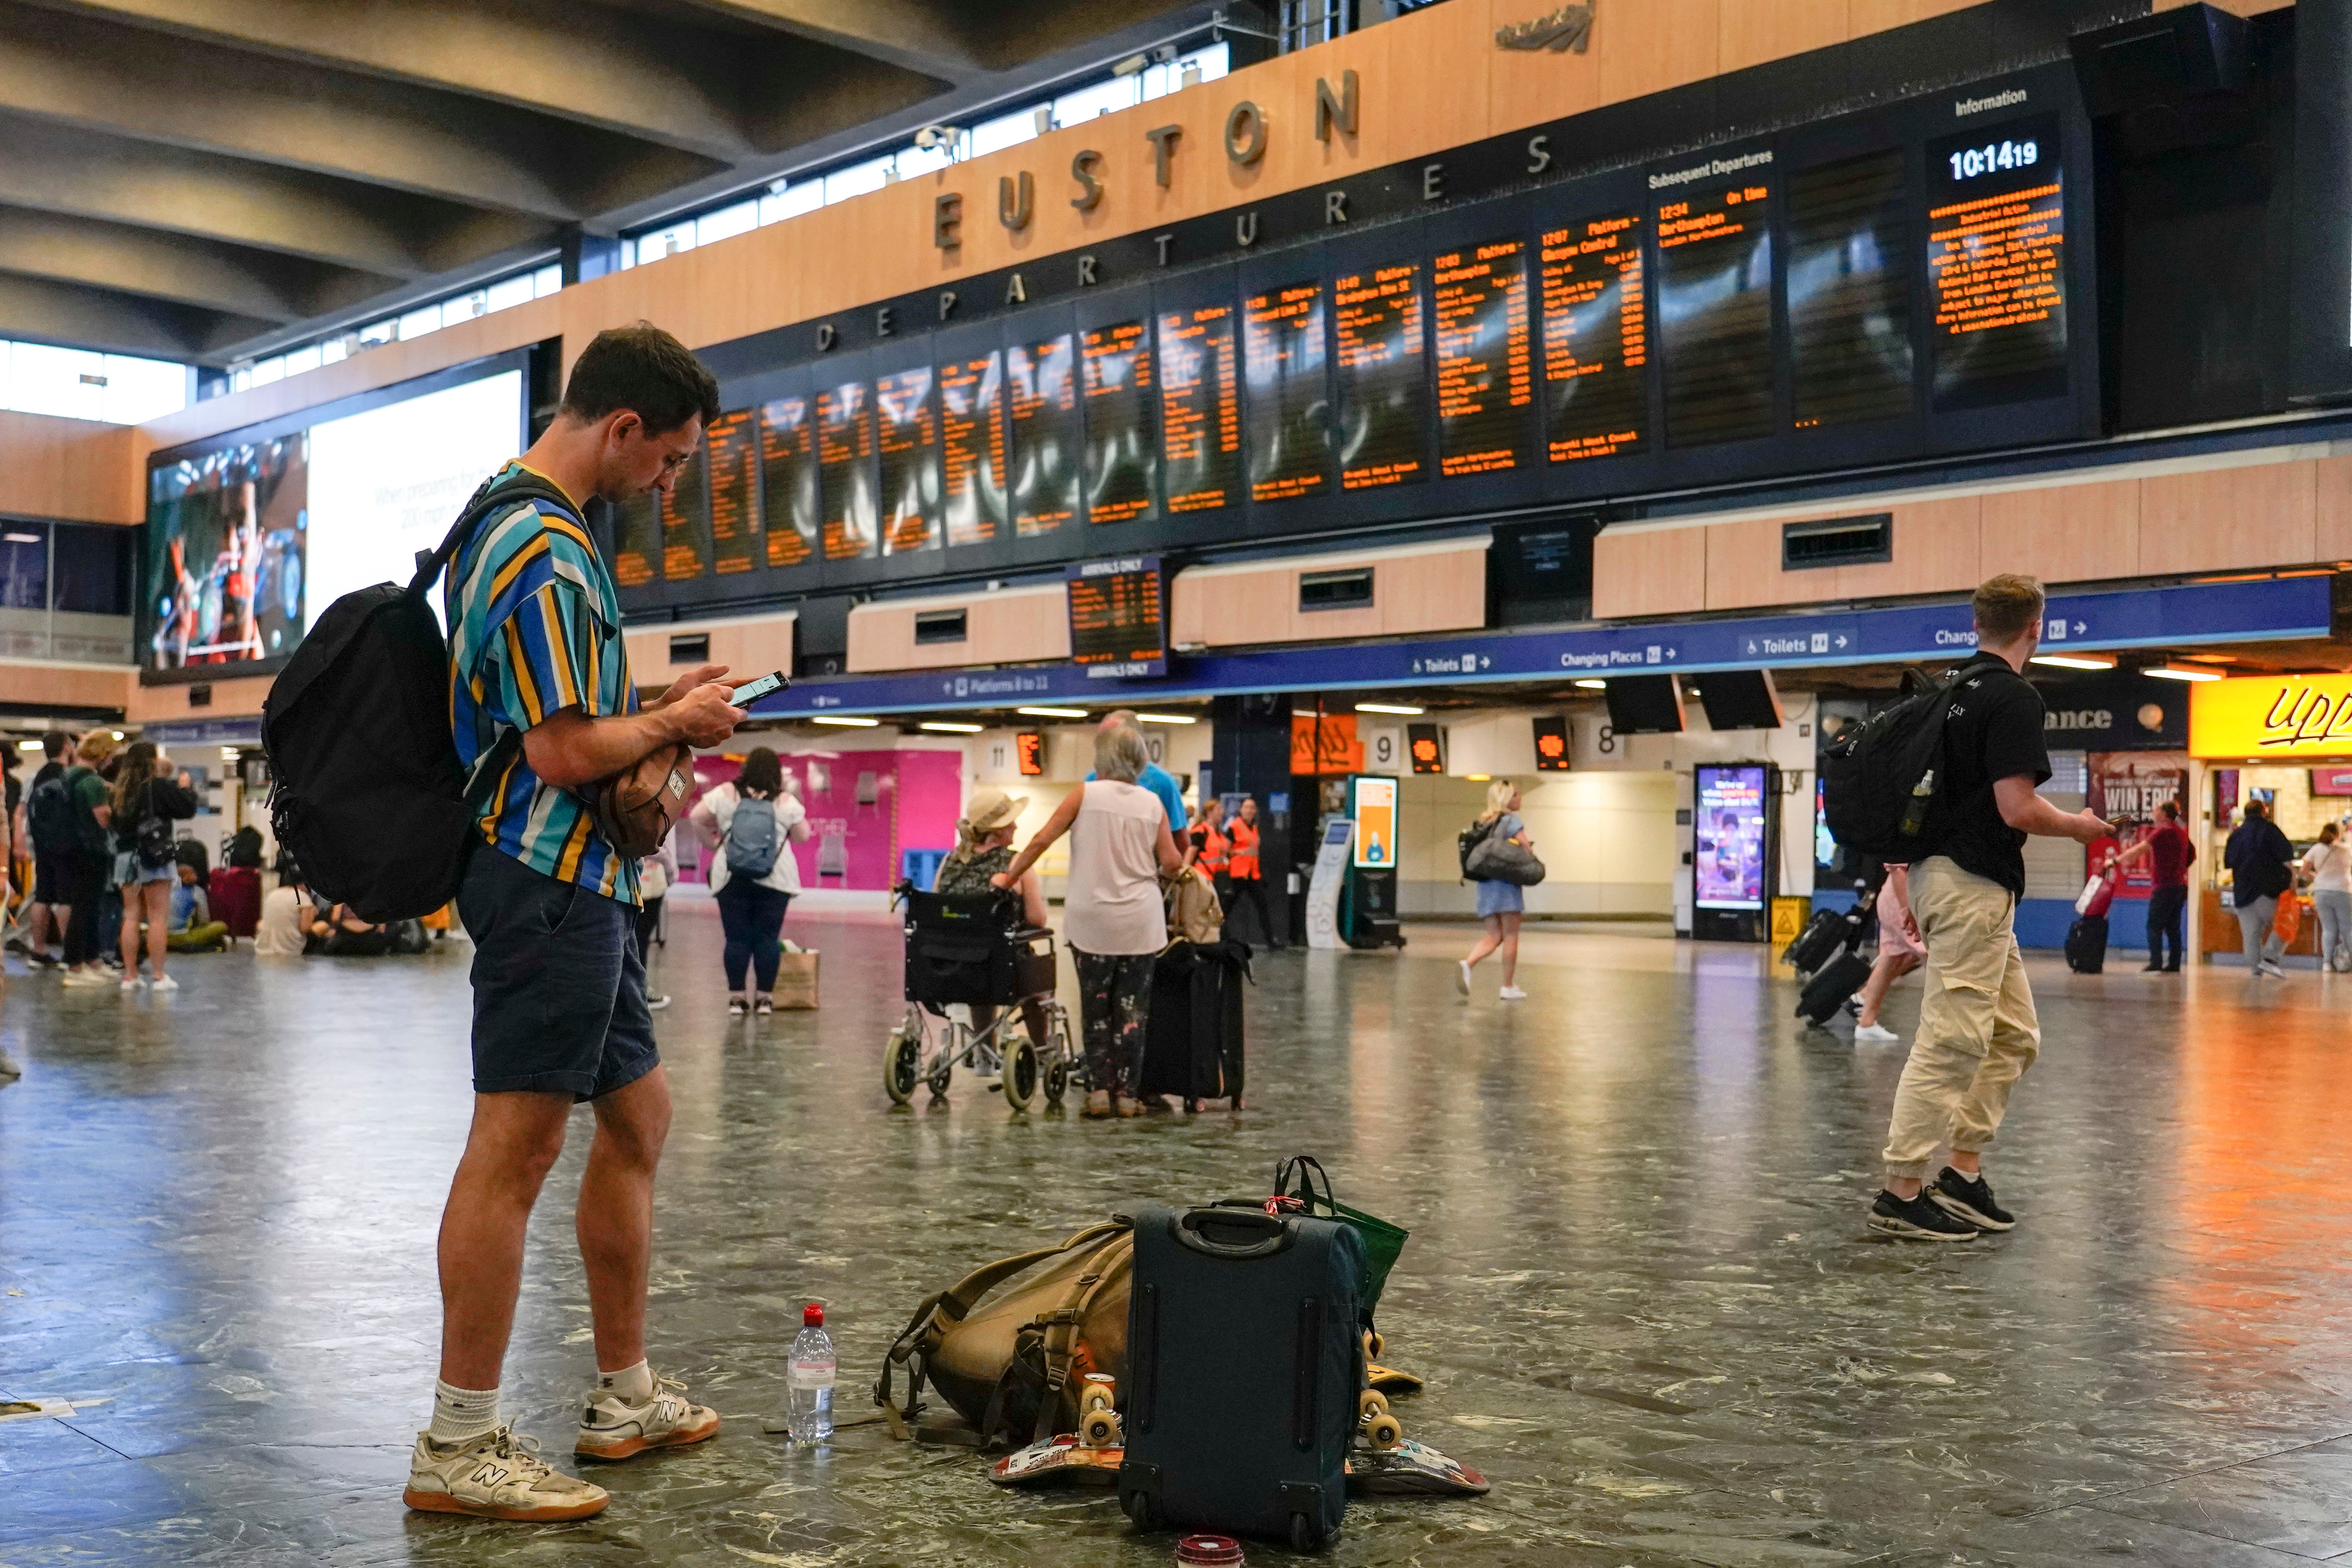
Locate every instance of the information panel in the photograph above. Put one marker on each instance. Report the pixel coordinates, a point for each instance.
(1383, 377)
(845, 455)
(1046, 434)
(788, 498)
(1849, 293)
(733, 441)
(1284, 373)
(1200, 408)
(1485, 380)
(972, 442)
(1995, 245)
(1122, 456)
(636, 541)
(908, 438)
(686, 555)
(1728, 839)
(1715, 314)
(1117, 627)
(1596, 340)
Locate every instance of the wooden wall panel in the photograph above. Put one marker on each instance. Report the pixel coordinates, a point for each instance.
(1935, 552)
(1415, 590)
(68, 686)
(749, 645)
(1753, 34)
(2332, 531)
(2215, 519)
(232, 699)
(1743, 566)
(1868, 17)
(2064, 533)
(1528, 87)
(1649, 571)
(77, 471)
(1020, 625)
(1659, 44)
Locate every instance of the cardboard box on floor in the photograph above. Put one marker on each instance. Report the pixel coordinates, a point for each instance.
(796, 983)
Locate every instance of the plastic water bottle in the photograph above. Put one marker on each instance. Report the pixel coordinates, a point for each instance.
(810, 1378)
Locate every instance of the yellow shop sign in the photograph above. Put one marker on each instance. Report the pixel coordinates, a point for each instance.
(2272, 716)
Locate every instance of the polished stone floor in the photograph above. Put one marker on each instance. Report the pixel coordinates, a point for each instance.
(1638, 1283)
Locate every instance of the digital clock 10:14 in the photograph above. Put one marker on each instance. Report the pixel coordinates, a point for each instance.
(1995, 155)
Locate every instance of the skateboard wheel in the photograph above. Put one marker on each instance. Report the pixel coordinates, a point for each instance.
(1384, 1431)
(1370, 1402)
(1099, 1393)
(1099, 1429)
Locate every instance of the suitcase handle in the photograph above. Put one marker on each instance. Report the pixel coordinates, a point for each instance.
(1273, 1235)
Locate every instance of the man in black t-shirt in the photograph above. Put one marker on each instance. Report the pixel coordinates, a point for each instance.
(47, 824)
(1978, 1032)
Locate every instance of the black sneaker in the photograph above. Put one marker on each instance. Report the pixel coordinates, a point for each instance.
(1969, 1198)
(1917, 1219)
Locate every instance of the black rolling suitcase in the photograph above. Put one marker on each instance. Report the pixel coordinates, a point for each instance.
(1192, 1043)
(1828, 931)
(1837, 979)
(2086, 945)
(1244, 1361)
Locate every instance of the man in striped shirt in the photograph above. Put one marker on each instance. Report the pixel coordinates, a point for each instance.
(559, 1012)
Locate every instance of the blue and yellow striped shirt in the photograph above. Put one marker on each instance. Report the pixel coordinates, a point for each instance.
(534, 628)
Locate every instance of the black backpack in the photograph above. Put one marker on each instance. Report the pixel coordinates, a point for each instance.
(50, 813)
(244, 847)
(1882, 780)
(1469, 838)
(366, 791)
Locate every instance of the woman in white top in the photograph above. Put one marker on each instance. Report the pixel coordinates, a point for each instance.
(2329, 861)
(1112, 916)
(754, 874)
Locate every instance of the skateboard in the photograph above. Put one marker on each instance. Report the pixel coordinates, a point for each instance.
(1409, 1469)
(1062, 1460)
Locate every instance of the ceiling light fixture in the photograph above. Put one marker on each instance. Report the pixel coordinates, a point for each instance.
(1406, 709)
(28, 745)
(948, 727)
(1594, 685)
(1053, 712)
(847, 719)
(2075, 660)
(2180, 672)
(1167, 719)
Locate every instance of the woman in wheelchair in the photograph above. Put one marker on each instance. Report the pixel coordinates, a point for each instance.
(984, 849)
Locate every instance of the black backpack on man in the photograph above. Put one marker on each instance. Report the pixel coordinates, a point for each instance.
(1883, 781)
(366, 791)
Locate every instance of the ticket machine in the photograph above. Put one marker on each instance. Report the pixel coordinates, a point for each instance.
(1368, 896)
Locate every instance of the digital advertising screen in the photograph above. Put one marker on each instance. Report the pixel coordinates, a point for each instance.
(1485, 381)
(973, 440)
(789, 511)
(1376, 823)
(1047, 434)
(1727, 850)
(1283, 375)
(1118, 623)
(1383, 377)
(1122, 465)
(1596, 340)
(1996, 264)
(907, 427)
(1715, 313)
(1200, 408)
(733, 443)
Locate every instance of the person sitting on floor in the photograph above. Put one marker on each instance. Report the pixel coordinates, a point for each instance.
(286, 915)
(344, 932)
(191, 928)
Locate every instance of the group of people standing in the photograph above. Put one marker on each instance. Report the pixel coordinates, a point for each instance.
(101, 820)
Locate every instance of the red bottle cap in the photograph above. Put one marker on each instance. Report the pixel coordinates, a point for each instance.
(813, 1315)
(1220, 1549)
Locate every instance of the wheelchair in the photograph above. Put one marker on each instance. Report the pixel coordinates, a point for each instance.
(977, 950)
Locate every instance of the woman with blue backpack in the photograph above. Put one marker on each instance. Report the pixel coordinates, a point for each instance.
(752, 824)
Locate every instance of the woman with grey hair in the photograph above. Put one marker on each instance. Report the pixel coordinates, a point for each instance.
(1112, 917)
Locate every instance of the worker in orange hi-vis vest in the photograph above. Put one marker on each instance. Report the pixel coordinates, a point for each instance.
(1245, 878)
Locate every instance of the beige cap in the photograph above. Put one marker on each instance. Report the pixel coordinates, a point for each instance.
(987, 810)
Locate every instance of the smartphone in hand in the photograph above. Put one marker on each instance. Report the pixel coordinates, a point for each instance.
(751, 691)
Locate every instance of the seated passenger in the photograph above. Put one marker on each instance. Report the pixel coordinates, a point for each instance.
(192, 927)
(342, 934)
(984, 848)
(285, 916)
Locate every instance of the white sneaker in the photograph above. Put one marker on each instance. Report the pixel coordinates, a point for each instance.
(1875, 1032)
(1462, 975)
(163, 983)
(87, 977)
(8, 1068)
(612, 1429)
(133, 983)
(1513, 993)
(2276, 970)
(496, 1475)
(656, 1003)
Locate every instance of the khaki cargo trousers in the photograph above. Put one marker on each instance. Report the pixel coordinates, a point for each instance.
(1977, 1033)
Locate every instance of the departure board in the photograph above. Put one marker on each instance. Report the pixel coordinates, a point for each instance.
(1046, 434)
(733, 443)
(907, 438)
(1596, 340)
(1117, 622)
(1200, 408)
(1289, 403)
(685, 552)
(788, 497)
(1996, 265)
(1849, 293)
(1383, 377)
(845, 455)
(1715, 314)
(1122, 455)
(637, 540)
(972, 442)
(1485, 382)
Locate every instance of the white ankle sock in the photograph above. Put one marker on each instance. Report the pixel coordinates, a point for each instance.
(461, 1415)
(633, 1384)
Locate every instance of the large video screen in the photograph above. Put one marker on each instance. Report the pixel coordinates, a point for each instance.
(1727, 852)
(248, 544)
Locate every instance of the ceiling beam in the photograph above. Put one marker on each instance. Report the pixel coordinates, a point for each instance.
(224, 279)
(671, 83)
(906, 33)
(41, 310)
(155, 87)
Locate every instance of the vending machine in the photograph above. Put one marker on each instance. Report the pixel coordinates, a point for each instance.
(1368, 898)
(1735, 850)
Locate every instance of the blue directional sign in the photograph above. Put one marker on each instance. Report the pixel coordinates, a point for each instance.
(2261, 610)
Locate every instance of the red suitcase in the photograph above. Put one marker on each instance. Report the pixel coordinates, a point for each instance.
(235, 893)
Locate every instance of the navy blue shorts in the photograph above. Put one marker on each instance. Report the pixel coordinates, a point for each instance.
(558, 984)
